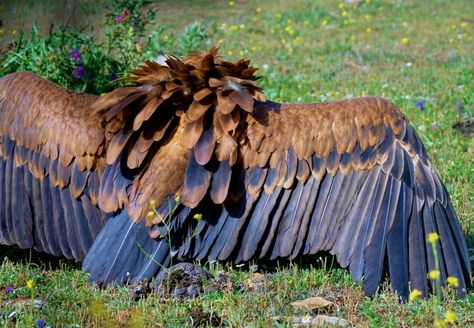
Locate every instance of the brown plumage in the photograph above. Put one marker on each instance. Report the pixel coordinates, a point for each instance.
(197, 136)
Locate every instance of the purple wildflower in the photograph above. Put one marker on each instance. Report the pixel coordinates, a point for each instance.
(76, 55)
(133, 24)
(79, 71)
(9, 290)
(119, 18)
(41, 323)
(420, 104)
(113, 75)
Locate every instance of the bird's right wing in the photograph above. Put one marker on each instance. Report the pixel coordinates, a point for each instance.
(50, 154)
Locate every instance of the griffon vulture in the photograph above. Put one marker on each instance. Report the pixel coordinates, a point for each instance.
(190, 161)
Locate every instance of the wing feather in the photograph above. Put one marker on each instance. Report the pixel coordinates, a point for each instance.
(367, 201)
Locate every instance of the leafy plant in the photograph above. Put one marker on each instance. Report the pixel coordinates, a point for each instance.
(125, 27)
(67, 57)
(80, 62)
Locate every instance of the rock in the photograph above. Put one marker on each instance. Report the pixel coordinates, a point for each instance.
(317, 321)
(183, 280)
(312, 304)
(324, 320)
(255, 283)
(465, 127)
(26, 302)
(220, 282)
(139, 290)
(200, 318)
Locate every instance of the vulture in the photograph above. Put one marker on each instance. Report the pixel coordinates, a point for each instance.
(189, 161)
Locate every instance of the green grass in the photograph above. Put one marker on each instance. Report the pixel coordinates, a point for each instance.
(309, 51)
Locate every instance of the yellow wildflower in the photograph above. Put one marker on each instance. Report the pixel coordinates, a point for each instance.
(464, 24)
(367, 17)
(30, 283)
(197, 216)
(150, 214)
(231, 3)
(258, 10)
(432, 236)
(405, 40)
(14, 32)
(341, 5)
(367, 1)
(166, 38)
(254, 48)
(221, 41)
(345, 14)
(306, 319)
(414, 294)
(453, 282)
(433, 274)
(440, 323)
(152, 203)
(324, 23)
(297, 40)
(450, 317)
(177, 198)
(368, 30)
(233, 28)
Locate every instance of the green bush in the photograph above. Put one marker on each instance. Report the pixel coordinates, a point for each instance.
(78, 61)
(66, 57)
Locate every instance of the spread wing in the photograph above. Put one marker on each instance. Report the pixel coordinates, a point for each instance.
(272, 180)
(50, 159)
(348, 177)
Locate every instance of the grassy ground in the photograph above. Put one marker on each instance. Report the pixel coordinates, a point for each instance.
(309, 51)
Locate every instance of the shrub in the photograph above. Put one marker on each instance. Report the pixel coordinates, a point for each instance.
(78, 61)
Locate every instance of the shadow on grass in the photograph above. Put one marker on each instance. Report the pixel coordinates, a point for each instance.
(50, 262)
(322, 260)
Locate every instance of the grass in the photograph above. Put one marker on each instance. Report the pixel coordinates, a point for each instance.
(309, 51)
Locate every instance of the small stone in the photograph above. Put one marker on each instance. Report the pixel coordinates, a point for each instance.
(324, 320)
(139, 290)
(255, 283)
(312, 304)
(183, 281)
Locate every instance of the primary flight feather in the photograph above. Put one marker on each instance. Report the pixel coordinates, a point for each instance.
(196, 138)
